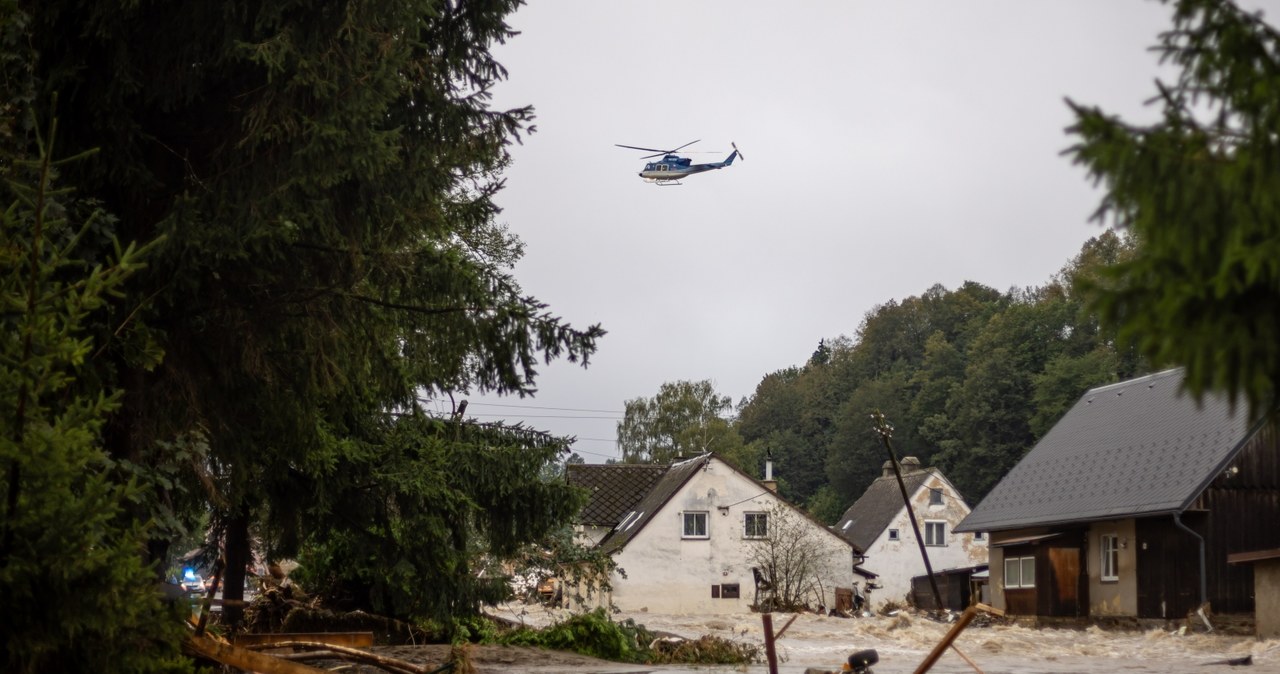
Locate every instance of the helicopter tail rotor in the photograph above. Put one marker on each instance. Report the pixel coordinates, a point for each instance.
(735, 149)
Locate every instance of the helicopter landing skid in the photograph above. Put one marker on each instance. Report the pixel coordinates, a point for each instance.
(668, 183)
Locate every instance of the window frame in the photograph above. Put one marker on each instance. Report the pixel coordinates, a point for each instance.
(755, 532)
(694, 514)
(935, 496)
(1021, 564)
(894, 535)
(929, 537)
(1109, 559)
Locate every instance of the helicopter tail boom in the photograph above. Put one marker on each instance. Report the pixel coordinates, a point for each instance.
(733, 155)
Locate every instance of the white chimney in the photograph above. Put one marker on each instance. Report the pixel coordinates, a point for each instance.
(769, 483)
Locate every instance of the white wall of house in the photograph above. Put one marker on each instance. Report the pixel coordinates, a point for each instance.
(669, 573)
(895, 555)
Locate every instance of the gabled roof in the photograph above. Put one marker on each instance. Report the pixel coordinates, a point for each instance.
(615, 489)
(672, 480)
(669, 480)
(1136, 448)
(863, 522)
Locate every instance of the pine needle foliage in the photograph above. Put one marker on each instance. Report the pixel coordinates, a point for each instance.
(321, 176)
(416, 516)
(75, 593)
(1200, 192)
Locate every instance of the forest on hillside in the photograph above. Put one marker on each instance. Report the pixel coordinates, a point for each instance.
(970, 379)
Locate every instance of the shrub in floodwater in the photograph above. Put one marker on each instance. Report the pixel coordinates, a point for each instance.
(593, 634)
(472, 629)
(597, 635)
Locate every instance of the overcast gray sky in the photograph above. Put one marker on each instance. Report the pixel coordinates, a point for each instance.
(888, 146)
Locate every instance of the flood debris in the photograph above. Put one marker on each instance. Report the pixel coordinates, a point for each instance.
(308, 647)
(1233, 662)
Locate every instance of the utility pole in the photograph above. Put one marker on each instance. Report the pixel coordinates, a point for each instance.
(885, 431)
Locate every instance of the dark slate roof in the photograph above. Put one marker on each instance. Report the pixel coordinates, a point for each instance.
(1136, 448)
(615, 489)
(862, 523)
(676, 475)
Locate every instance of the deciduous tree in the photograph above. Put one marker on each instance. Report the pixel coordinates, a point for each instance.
(685, 418)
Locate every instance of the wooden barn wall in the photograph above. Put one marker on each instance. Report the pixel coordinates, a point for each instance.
(954, 588)
(1242, 506)
(1168, 572)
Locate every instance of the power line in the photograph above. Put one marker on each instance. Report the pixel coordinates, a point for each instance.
(543, 416)
(604, 456)
(538, 407)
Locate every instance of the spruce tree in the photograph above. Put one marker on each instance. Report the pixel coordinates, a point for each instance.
(322, 175)
(76, 595)
(1198, 192)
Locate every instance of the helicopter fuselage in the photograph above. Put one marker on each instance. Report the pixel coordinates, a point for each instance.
(673, 167)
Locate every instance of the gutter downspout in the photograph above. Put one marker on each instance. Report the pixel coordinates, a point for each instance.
(1204, 592)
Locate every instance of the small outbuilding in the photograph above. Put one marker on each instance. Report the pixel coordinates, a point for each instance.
(1266, 589)
(1131, 506)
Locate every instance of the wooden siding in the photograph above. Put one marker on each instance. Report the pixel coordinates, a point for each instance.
(954, 586)
(1068, 594)
(1236, 513)
(1168, 566)
(1062, 583)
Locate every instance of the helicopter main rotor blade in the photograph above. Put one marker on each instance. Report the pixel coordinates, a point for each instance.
(654, 149)
(682, 146)
(646, 149)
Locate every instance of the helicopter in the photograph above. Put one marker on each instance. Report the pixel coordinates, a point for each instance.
(672, 167)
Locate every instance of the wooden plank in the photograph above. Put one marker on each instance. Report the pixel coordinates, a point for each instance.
(1252, 556)
(348, 639)
(241, 658)
(956, 629)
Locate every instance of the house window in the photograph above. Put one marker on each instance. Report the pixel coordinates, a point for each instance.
(1110, 557)
(1019, 572)
(935, 533)
(893, 534)
(979, 535)
(935, 497)
(757, 525)
(695, 525)
(730, 591)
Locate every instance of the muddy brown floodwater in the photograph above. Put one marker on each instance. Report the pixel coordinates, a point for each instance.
(903, 641)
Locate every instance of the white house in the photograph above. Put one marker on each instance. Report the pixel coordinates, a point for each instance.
(688, 535)
(878, 524)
